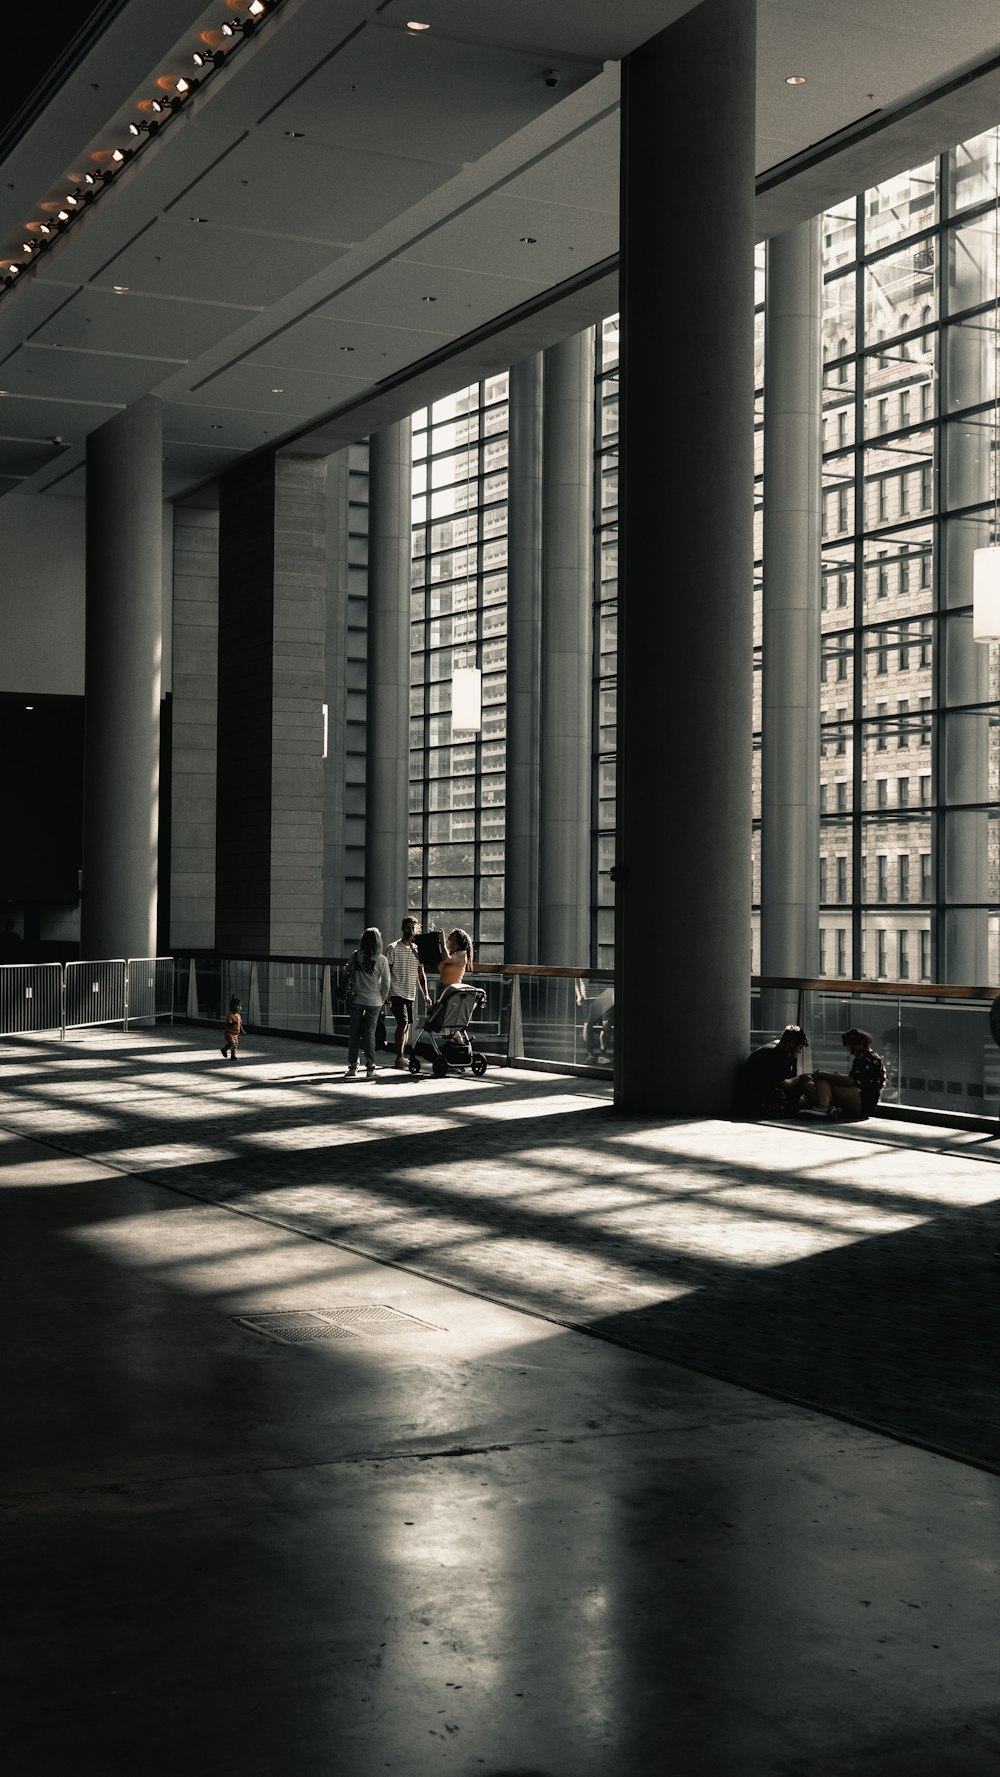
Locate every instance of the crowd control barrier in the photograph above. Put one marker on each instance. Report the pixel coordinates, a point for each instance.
(39, 997)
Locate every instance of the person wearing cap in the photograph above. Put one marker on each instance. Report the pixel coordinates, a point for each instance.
(856, 1094)
(769, 1083)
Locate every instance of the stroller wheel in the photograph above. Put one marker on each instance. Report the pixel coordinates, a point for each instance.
(439, 1067)
(479, 1064)
(414, 1064)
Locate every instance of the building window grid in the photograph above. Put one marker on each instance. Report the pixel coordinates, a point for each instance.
(477, 430)
(918, 341)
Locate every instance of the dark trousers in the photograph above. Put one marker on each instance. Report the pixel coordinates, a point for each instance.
(362, 1032)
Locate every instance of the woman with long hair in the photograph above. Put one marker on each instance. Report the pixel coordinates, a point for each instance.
(456, 957)
(370, 972)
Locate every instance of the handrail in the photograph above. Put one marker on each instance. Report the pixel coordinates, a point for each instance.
(911, 990)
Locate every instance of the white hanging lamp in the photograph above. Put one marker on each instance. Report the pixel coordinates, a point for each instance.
(467, 699)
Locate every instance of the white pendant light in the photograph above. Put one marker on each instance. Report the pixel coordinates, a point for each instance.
(466, 700)
(986, 594)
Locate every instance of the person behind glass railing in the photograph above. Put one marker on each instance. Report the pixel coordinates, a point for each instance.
(456, 959)
(852, 1096)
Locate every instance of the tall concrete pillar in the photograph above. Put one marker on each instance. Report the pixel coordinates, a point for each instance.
(789, 913)
(524, 654)
(685, 622)
(566, 764)
(124, 635)
(386, 802)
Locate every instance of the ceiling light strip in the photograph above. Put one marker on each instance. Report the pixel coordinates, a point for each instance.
(171, 96)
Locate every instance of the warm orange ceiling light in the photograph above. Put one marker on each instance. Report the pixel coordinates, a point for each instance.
(795, 80)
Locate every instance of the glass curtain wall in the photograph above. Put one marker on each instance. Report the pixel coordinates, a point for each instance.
(910, 753)
(908, 864)
(605, 641)
(458, 618)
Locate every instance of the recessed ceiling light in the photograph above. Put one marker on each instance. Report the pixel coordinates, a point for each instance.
(417, 25)
(795, 80)
(294, 135)
(216, 428)
(199, 218)
(119, 289)
(277, 391)
(29, 706)
(347, 348)
(529, 240)
(428, 299)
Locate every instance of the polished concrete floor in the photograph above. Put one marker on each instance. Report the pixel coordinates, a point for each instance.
(457, 1531)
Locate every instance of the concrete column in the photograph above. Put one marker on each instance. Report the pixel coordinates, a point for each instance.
(386, 802)
(789, 914)
(566, 764)
(123, 658)
(524, 653)
(685, 624)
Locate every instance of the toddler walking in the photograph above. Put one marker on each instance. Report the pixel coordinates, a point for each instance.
(233, 1028)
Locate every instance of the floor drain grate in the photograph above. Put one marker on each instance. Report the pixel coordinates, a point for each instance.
(310, 1326)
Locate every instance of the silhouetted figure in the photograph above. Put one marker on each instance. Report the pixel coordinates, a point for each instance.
(852, 1096)
(234, 1027)
(769, 1084)
(11, 944)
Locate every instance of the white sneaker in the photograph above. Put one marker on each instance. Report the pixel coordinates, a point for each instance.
(351, 1074)
(400, 1062)
(369, 1073)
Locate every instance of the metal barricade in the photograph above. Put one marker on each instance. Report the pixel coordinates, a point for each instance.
(95, 994)
(31, 997)
(149, 989)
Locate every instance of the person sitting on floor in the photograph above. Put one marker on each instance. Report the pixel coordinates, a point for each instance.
(770, 1084)
(855, 1095)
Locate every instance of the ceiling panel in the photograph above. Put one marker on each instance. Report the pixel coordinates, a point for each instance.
(592, 29)
(252, 387)
(185, 258)
(26, 308)
(851, 68)
(461, 300)
(188, 463)
(92, 376)
(584, 172)
(394, 92)
(275, 61)
(497, 236)
(128, 323)
(124, 209)
(18, 456)
(69, 420)
(308, 189)
(361, 349)
(222, 428)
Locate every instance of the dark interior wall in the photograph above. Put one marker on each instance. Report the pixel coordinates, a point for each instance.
(246, 669)
(41, 798)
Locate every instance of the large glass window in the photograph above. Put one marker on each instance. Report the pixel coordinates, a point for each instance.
(458, 611)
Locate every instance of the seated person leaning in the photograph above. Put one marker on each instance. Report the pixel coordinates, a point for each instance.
(854, 1095)
(769, 1083)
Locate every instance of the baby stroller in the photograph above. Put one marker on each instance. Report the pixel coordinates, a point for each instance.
(442, 1038)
